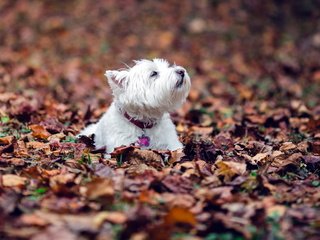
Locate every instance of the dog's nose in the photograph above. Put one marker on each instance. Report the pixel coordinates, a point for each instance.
(180, 72)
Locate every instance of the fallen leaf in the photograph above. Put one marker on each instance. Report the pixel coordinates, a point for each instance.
(52, 125)
(8, 201)
(287, 146)
(62, 204)
(102, 170)
(260, 157)
(179, 215)
(32, 219)
(61, 183)
(99, 188)
(39, 131)
(12, 161)
(177, 184)
(39, 146)
(150, 158)
(11, 180)
(113, 217)
(315, 147)
(276, 211)
(6, 140)
(172, 200)
(229, 169)
(55, 232)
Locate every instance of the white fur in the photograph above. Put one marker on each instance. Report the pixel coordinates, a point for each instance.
(145, 98)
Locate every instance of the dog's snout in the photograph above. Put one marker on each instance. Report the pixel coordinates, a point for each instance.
(180, 72)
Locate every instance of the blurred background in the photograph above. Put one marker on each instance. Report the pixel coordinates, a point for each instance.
(250, 126)
(236, 51)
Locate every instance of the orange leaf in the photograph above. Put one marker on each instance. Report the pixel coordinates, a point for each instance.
(179, 215)
(39, 131)
(6, 140)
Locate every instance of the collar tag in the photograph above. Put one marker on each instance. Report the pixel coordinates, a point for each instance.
(143, 141)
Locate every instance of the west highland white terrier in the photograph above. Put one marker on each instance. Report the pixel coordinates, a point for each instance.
(143, 97)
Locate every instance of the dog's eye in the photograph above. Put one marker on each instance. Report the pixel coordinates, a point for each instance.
(154, 74)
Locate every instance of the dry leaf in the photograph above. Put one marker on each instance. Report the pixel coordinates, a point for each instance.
(230, 169)
(287, 146)
(113, 217)
(39, 132)
(260, 157)
(6, 140)
(10, 180)
(99, 188)
(179, 215)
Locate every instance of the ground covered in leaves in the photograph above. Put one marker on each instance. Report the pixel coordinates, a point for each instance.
(251, 125)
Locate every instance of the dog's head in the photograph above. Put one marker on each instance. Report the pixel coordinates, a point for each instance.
(149, 88)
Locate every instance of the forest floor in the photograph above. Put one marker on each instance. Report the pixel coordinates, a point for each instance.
(250, 168)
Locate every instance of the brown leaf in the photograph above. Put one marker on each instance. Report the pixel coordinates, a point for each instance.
(179, 215)
(138, 169)
(21, 232)
(13, 161)
(62, 204)
(315, 147)
(312, 161)
(177, 184)
(75, 222)
(61, 183)
(52, 125)
(39, 131)
(44, 147)
(185, 201)
(6, 140)
(113, 217)
(260, 157)
(55, 232)
(88, 141)
(218, 195)
(202, 130)
(203, 168)
(122, 150)
(7, 148)
(176, 156)
(257, 119)
(99, 188)
(282, 163)
(229, 169)
(150, 158)
(32, 219)
(10, 180)
(287, 146)
(8, 201)
(102, 170)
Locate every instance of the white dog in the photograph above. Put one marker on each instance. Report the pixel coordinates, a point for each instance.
(143, 97)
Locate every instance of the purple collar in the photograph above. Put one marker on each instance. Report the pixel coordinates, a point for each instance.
(138, 123)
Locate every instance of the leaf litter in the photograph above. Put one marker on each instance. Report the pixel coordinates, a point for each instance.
(250, 126)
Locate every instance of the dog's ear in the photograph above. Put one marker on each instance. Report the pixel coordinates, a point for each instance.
(116, 79)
